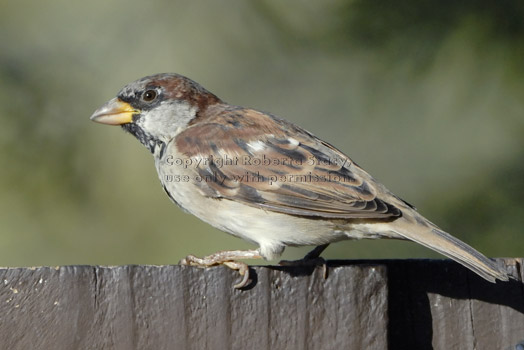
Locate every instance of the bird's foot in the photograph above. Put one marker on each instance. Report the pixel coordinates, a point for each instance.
(227, 258)
(312, 258)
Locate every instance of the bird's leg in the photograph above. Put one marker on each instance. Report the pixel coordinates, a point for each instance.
(311, 259)
(315, 253)
(227, 258)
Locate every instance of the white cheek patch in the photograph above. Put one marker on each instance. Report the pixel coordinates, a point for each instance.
(167, 119)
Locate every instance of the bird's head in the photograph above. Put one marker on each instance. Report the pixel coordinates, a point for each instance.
(156, 108)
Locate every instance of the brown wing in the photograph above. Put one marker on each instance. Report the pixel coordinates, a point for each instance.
(269, 163)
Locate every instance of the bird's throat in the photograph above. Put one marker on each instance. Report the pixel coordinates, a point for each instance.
(146, 139)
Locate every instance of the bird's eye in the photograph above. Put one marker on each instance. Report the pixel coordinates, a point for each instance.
(149, 95)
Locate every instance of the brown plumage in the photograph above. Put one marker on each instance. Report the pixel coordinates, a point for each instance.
(304, 176)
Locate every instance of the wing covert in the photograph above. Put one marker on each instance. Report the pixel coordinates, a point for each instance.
(268, 163)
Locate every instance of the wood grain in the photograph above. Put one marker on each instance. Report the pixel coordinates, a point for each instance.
(390, 304)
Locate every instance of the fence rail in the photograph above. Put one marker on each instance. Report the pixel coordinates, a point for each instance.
(379, 304)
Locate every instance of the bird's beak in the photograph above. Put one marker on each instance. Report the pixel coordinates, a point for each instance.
(114, 112)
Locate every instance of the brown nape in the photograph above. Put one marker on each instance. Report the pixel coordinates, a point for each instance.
(178, 87)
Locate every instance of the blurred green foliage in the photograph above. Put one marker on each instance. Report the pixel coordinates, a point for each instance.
(428, 96)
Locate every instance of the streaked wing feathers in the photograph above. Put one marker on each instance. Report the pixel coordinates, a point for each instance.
(266, 162)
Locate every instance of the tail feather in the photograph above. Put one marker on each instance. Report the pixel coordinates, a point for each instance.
(442, 242)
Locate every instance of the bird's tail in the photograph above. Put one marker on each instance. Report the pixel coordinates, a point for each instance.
(434, 238)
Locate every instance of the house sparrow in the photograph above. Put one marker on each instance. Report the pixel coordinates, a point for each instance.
(264, 179)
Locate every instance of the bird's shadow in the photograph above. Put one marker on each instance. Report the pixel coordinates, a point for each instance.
(410, 283)
(297, 270)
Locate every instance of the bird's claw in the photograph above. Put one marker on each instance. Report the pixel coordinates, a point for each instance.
(243, 270)
(225, 258)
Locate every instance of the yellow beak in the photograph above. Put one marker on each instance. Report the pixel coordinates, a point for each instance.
(114, 112)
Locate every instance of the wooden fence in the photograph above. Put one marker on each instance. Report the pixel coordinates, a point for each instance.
(385, 304)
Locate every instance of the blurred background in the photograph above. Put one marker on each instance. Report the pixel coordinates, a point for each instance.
(428, 96)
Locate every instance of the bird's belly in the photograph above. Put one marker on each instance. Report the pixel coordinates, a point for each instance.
(265, 228)
(272, 231)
